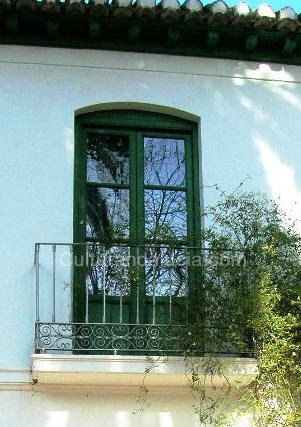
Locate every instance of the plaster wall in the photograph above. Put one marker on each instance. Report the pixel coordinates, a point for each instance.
(249, 132)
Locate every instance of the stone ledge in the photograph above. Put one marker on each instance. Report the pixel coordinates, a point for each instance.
(129, 371)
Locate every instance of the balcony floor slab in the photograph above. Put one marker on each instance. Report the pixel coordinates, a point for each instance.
(129, 371)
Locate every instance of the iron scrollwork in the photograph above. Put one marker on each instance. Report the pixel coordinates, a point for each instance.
(109, 338)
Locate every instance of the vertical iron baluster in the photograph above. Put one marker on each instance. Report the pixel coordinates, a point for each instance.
(245, 265)
(71, 282)
(219, 271)
(120, 309)
(137, 284)
(53, 281)
(186, 284)
(87, 284)
(37, 265)
(121, 293)
(104, 284)
(154, 286)
(170, 283)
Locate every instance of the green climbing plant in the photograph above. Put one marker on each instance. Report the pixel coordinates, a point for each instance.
(251, 285)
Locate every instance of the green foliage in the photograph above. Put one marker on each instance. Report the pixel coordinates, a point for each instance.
(251, 293)
(259, 302)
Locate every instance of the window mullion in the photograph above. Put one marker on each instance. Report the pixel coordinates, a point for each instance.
(80, 210)
(140, 188)
(164, 187)
(191, 232)
(108, 185)
(136, 305)
(189, 192)
(196, 188)
(140, 226)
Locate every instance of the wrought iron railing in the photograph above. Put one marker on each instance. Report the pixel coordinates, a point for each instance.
(129, 299)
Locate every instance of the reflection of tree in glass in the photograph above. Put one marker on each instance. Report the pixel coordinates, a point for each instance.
(107, 208)
(108, 159)
(110, 270)
(107, 213)
(164, 161)
(165, 215)
(165, 209)
(165, 271)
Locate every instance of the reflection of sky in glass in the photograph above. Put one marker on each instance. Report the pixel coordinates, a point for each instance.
(107, 212)
(164, 161)
(108, 158)
(165, 214)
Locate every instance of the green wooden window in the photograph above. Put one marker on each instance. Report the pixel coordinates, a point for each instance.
(136, 196)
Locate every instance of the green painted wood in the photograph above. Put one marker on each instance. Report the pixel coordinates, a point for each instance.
(251, 42)
(173, 36)
(163, 187)
(94, 30)
(136, 124)
(134, 32)
(213, 39)
(197, 296)
(189, 191)
(12, 24)
(196, 176)
(289, 46)
(79, 231)
(134, 119)
(80, 31)
(52, 28)
(108, 185)
(139, 289)
(191, 230)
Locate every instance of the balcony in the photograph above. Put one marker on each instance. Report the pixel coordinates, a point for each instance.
(120, 300)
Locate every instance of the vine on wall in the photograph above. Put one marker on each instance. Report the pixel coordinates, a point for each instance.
(250, 285)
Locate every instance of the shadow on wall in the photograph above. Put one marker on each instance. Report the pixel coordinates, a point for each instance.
(271, 96)
(104, 408)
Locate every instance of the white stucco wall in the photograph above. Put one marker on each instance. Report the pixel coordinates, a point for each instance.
(67, 408)
(250, 126)
(75, 409)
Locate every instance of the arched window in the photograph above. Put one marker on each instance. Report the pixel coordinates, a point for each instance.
(137, 209)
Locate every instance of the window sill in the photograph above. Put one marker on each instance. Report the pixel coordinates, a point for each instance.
(128, 371)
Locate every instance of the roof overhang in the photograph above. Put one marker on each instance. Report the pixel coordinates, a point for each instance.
(167, 28)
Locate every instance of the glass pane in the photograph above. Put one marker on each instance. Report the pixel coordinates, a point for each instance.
(165, 214)
(166, 272)
(108, 270)
(107, 213)
(164, 161)
(108, 158)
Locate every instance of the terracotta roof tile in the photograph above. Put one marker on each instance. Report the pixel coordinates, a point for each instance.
(219, 7)
(213, 29)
